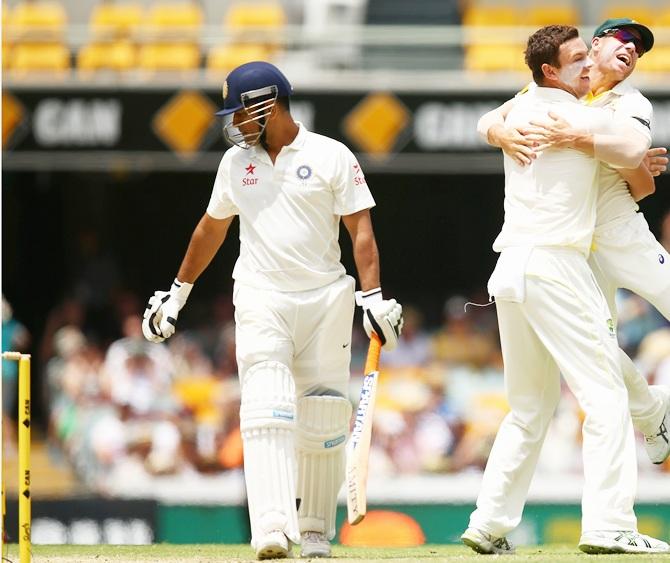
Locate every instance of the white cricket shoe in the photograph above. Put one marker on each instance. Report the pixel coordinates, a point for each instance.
(658, 444)
(314, 544)
(273, 545)
(485, 543)
(607, 541)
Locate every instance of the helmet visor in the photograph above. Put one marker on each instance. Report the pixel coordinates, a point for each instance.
(258, 106)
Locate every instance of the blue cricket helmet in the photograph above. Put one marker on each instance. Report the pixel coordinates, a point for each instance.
(248, 79)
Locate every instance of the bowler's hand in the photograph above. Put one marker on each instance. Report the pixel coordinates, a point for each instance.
(555, 132)
(514, 143)
(655, 161)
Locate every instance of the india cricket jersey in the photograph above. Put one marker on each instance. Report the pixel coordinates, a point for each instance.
(290, 211)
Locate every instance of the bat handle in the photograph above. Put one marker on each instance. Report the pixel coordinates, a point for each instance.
(374, 351)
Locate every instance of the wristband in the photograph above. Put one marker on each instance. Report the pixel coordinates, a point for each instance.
(180, 290)
(367, 298)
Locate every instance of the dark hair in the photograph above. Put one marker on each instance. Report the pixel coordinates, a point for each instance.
(285, 102)
(543, 47)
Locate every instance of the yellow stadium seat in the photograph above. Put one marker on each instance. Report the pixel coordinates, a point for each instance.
(39, 21)
(115, 20)
(663, 18)
(656, 60)
(478, 19)
(169, 56)
(263, 15)
(117, 55)
(223, 58)
(641, 13)
(540, 15)
(182, 16)
(497, 15)
(6, 54)
(27, 57)
(259, 24)
(495, 58)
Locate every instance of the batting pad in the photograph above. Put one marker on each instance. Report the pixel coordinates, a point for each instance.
(323, 426)
(267, 424)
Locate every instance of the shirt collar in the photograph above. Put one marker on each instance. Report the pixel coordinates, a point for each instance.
(300, 138)
(554, 94)
(619, 89)
(257, 151)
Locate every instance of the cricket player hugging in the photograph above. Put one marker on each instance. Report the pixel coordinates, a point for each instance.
(552, 316)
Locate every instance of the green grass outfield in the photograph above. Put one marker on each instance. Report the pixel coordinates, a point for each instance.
(231, 553)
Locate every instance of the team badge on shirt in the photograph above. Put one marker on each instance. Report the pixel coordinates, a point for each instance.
(610, 327)
(250, 171)
(304, 172)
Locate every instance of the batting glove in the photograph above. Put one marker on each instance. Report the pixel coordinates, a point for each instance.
(381, 316)
(160, 316)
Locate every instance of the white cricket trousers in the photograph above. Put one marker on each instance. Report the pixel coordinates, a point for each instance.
(307, 331)
(626, 254)
(562, 326)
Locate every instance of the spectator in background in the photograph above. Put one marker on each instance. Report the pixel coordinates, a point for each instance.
(15, 338)
(458, 341)
(69, 312)
(414, 348)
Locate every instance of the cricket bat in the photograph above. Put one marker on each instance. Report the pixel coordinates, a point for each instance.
(358, 448)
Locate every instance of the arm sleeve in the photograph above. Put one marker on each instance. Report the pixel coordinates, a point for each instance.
(624, 149)
(221, 203)
(349, 185)
(640, 109)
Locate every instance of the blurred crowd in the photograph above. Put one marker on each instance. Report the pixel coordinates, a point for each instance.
(116, 405)
(133, 407)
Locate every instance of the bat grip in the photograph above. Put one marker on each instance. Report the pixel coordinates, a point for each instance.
(374, 350)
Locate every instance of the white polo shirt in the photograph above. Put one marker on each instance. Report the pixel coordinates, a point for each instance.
(614, 199)
(290, 210)
(551, 202)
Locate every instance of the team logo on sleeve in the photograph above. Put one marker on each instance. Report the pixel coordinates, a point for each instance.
(359, 178)
(304, 172)
(611, 328)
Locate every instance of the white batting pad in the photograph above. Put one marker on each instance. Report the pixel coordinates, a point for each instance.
(267, 423)
(323, 426)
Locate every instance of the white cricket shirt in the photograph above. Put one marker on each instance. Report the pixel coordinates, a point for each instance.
(614, 199)
(551, 202)
(290, 210)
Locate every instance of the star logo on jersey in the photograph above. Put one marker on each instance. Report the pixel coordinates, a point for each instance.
(250, 181)
(359, 178)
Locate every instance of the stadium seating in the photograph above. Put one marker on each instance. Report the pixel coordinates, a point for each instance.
(37, 29)
(222, 58)
(640, 12)
(38, 20)
(112, 28)
(547, 14)
(253, 31)
(491, 43)
(120, 55)
(113, 21)
(172, 37)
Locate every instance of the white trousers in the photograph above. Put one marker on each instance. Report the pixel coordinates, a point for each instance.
(307, 331)
(628, 255)
(561, 327)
